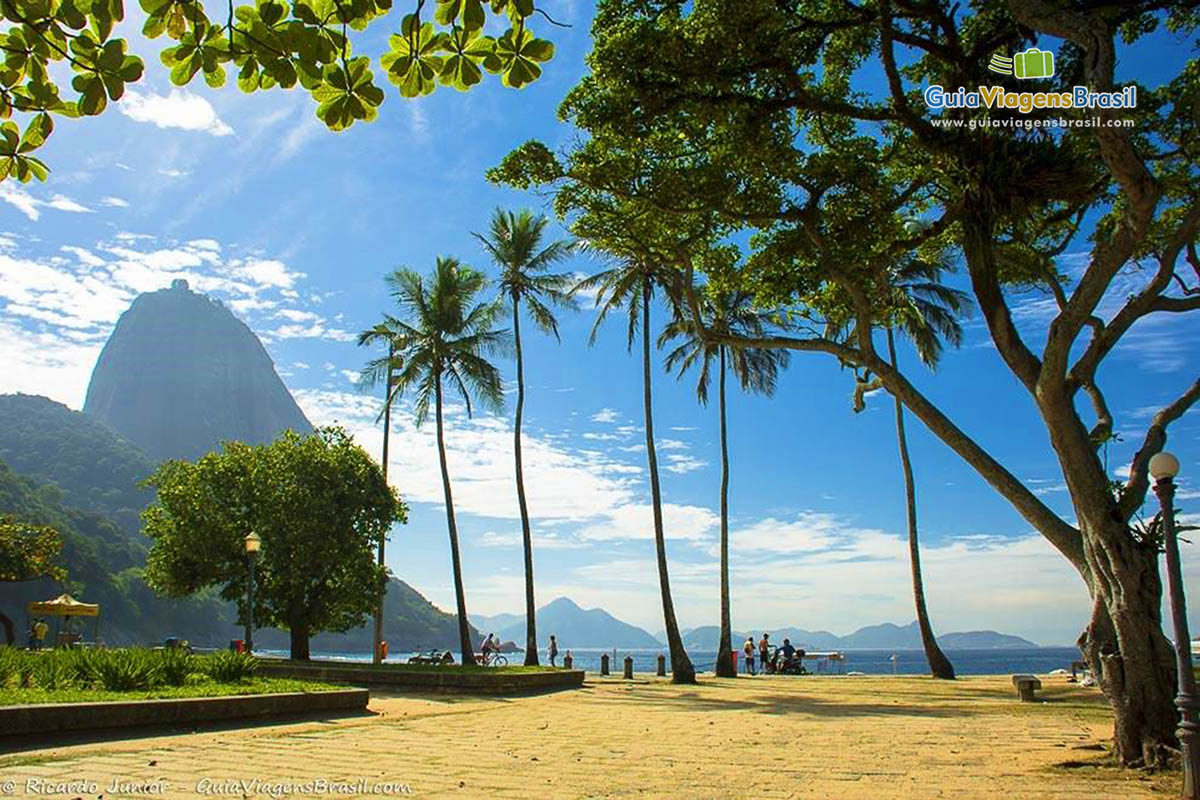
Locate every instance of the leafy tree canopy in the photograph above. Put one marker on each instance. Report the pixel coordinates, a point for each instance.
(319, 504)
(28, 551)
(798, 134)
(267, 44)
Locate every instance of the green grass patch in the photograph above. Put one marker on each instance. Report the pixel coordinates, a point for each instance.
(451, 669)
(52, 676)
(207, 688)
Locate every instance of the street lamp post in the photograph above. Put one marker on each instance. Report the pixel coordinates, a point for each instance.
(1163, 468)
(252, 542)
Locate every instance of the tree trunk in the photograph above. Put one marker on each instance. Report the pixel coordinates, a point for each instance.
(682, 670)
(464, 627)
(531, 646)
(939, 665)
(10, 636)
(377, 656)
(1125, 646)
(725, 667)
(299, 637)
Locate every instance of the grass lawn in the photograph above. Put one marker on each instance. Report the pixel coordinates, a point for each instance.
(453, 669)
(18, 697)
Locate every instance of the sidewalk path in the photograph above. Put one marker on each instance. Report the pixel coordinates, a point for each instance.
(820, 737)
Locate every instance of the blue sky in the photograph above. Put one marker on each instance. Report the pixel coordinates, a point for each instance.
(253, 201)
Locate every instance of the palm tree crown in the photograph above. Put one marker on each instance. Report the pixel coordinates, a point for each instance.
(442, 332)
(514, 243)
(757, 369)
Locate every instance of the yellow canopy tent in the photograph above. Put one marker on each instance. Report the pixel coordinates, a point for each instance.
(65, 607)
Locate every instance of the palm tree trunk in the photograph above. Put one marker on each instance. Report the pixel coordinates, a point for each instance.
(460, 598)
(387, 427)
(725, 667)
(531, 647)
(939, 665)
(682, 670)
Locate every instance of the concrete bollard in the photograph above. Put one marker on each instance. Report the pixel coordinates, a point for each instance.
(628, 667)
(567, 661)
(662, 665)
(604, 663)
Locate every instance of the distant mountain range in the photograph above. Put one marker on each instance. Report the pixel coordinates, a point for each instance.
(886, 636)
(571, 626)
(596, 628)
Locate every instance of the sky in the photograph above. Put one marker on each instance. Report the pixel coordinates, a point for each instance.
(251, 200)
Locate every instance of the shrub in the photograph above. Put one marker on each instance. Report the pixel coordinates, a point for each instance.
(55, 671)
(176, 665)
(230, 667)
(126, 670)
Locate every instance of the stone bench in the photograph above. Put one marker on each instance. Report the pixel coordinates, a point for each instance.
(1026, 685)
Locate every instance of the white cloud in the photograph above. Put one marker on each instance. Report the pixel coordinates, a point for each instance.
(682, 464)
(114, 202)
(27, 204)
(174, 173)
(179, 109)
(267, 272)
(606, 415)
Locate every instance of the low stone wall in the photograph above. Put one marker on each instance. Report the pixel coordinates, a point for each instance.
(43, 718)
(482, 682)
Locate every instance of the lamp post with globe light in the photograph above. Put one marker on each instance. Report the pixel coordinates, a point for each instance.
(253, 543)
(1163, 469)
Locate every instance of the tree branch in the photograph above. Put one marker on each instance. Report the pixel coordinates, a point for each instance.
(1134, 493)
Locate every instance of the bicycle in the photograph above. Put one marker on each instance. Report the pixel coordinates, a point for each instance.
(493, 660)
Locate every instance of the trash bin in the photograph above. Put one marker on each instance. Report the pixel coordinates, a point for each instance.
(383, 651)
(237, 645)
(735, 655)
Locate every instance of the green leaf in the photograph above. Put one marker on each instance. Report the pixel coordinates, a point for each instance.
(519, 56)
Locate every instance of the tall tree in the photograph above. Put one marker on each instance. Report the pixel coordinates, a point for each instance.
(515, 245)
(376, 371)
(630, 286)
(443, 336)
(319, 504)
(26, 552)
(786, 139)
(756, 369)
(927, 311)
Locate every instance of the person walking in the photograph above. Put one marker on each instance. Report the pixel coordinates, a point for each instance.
(748, 649)
(553, 650)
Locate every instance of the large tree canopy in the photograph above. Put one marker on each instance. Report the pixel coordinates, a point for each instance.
(319, 504)
(799, 132)
(268, 44)
(28, 551)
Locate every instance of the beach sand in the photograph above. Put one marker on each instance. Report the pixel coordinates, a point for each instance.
(827, 737)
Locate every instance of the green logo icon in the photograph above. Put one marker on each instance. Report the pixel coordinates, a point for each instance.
(1032, 63)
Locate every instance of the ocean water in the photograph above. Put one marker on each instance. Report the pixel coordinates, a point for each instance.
(1037, 660)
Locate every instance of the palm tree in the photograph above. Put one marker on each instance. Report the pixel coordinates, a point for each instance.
(631, 285)
(374, 374)
(757, 370)
(928, 312)
(443, 340)
(514, 243)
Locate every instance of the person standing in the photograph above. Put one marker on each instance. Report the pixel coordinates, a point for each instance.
(748, 649)
(553, 650)
(764, 645)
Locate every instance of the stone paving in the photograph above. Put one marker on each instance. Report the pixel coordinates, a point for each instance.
(828, 737)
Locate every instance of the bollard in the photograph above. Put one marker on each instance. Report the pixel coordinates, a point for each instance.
(628, 667)
(662, 665)
(604, 664)
(567, 661)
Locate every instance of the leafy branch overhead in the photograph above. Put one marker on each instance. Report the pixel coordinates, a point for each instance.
(267, 44)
